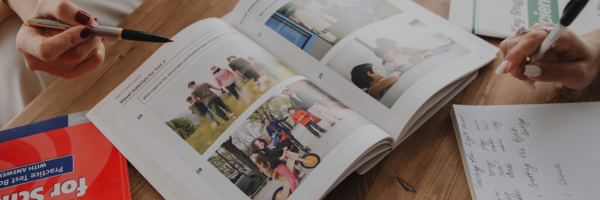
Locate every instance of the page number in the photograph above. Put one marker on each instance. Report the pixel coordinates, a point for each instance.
(139, 116)
(321, 76)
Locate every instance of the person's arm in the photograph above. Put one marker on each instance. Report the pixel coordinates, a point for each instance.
(268, 159)
(574, 60)
(70, 53)
(192, 103)
(269, 131)
(218, 81)
(377, 90)
(295, 118)
(216, 88)
(278, 120)
(298, 102)
(284, 155)
(413, 51)
(303, 114)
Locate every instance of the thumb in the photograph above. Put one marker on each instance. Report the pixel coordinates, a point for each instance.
(568, 73)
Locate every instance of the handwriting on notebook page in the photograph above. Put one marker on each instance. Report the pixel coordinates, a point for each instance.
(531, 152)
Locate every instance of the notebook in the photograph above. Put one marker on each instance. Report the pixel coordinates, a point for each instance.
(547, 151)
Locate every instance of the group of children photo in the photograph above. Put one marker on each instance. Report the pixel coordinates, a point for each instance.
(300, 124)
(222, 90)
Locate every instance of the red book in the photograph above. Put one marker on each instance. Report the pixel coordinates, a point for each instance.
(61, 158)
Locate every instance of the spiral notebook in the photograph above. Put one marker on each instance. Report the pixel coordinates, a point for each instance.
(548, 151)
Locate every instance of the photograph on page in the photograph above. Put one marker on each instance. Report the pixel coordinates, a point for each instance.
(206, 98)
(283, 140)
(316, 26)
(384, 64)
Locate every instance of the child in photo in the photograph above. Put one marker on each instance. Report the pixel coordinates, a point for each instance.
(227, 79)
(370, 80)
(271, 162)
(202, 111)
(306, 119)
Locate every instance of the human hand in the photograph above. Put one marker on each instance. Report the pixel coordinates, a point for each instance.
(70, 53)
(573, 61)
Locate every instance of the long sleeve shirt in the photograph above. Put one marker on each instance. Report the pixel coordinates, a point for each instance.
(224, 78)
(274, 127)
(270, 157)
(299, 115)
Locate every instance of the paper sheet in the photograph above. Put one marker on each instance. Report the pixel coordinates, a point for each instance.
(531, 151)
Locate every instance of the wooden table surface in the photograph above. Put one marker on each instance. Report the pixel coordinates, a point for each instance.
(429, 160)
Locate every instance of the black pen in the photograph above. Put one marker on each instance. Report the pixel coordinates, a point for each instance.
(101, 31)
(570, 12)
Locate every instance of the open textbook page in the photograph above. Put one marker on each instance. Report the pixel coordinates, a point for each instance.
(545, 151)
(214, 116)
(385, 59)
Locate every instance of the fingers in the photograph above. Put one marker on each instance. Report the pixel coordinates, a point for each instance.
(518, 72)
(524, 48)
(93, 60)
(32, 41)
(73, 55)
(64, 11)
(517, 48)
(573, 74)
(89, 64)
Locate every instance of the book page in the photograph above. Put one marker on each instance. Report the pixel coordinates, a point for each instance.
(501, 19)
(531, 151)
(382, 58)
(196, 116)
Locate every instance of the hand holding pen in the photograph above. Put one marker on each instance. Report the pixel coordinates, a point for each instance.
(68, 53)
(566, 58)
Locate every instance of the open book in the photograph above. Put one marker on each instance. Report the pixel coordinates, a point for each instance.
(300, 92)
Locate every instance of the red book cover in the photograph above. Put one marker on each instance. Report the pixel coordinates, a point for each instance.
(61, 158)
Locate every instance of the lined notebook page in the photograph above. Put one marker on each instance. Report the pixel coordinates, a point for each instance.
(549, 151)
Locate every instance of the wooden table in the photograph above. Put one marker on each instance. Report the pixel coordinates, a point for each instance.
(429, 160)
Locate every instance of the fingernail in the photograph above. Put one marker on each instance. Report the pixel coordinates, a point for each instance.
(85, 33)
(97, 21)
(529, 85)
(502, 67)
(82, 17)
(532, 71)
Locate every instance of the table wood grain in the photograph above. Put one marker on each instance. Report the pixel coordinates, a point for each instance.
(429, 160)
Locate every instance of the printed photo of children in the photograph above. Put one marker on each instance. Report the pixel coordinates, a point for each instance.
(385, 64)
(215, 90)
(286, 137)
(317, 25)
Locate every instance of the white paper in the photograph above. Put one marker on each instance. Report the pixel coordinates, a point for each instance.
(545, 151)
